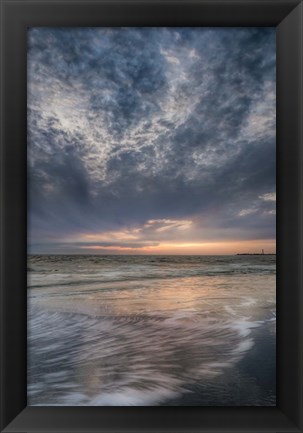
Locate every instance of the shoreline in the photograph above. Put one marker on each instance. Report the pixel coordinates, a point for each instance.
(255, 372)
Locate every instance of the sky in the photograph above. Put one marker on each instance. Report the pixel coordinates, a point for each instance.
(151, 140)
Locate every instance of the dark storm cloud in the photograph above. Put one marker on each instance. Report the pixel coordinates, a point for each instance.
(114, 68)
(127, 125)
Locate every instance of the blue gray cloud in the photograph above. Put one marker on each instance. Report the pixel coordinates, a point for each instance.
(127, 125)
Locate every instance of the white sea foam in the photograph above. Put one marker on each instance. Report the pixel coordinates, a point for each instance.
(230, 310)
(127, 397)
(248, 302)
(120, 361)
(143, 341)
(244, 326)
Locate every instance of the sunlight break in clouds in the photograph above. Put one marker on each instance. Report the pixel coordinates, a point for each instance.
(269, 196)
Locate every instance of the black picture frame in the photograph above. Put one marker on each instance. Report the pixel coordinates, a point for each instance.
(16, 17)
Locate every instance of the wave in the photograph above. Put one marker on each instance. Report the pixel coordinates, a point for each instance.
(75, 359)
(98, 278)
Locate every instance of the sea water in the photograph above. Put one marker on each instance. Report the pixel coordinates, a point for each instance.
(151, 330)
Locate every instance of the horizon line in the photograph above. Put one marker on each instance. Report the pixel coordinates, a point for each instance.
(127, 255)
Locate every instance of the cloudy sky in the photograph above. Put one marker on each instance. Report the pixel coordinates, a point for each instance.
(151, 140)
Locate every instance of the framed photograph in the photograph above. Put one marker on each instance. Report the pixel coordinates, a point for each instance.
(151, 162)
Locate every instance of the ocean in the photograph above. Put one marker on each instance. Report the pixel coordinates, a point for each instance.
(151, 330)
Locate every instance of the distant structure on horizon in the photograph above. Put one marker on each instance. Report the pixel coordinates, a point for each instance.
(256, 254)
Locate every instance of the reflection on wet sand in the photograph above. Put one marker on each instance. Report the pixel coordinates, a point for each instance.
(145, 354)
(150, 330)
(162, 296)
(143, 342)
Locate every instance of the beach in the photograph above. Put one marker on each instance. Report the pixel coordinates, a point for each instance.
(151, 330)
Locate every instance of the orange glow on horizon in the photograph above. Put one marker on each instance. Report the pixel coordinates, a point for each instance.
(193, 248)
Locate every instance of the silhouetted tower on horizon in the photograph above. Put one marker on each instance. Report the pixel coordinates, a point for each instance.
(262, 251)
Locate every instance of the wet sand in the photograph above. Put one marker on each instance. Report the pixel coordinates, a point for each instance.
(251, 382)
